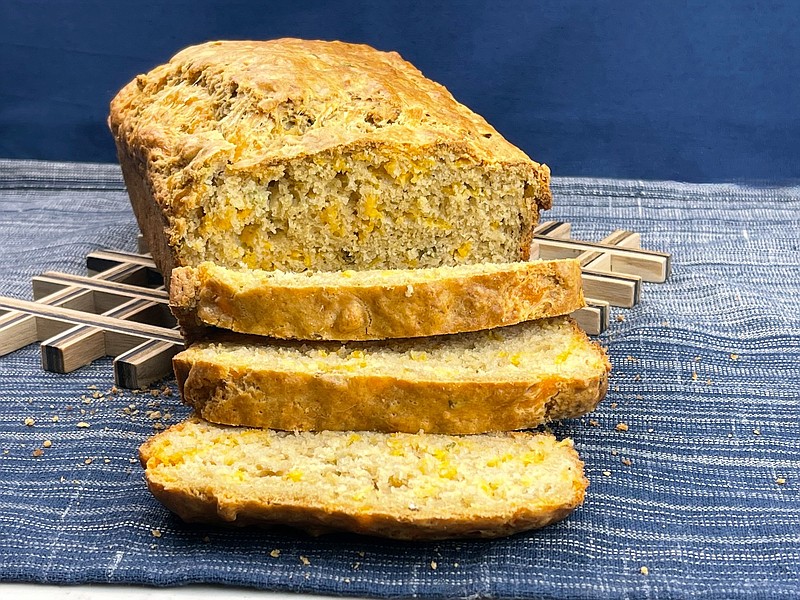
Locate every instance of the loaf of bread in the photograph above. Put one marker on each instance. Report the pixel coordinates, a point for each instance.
(406, 486)
(499, 380)
(294, 155)
(368, 305)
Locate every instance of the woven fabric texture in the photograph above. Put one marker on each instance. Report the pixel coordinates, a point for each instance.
(705, 376)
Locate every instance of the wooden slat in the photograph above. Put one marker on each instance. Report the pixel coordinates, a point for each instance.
(79, 318)
(81, 345)
(144, 364)
(594, 317)
(647, 264)
(51, 279)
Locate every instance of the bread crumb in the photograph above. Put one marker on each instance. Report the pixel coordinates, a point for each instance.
(434, 566)
(614, 405)
(644, 571)
(106, 460)
(153, 414)
(88, 461)
(780, 480)
(155, 393)
(621, 427)
(614, 452)
(694, 375)
(607, 473)
(734, 356)
(156, 533)
(37, 453)
(594, 423)
(304, 560)
(275, 553)
(455, 564)
(757, 431)
(627, 462)
(56, 419)
(620, 318)
(29, 421)
(47, 443)
(82, 425)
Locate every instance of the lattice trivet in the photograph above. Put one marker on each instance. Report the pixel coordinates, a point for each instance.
(122, 310)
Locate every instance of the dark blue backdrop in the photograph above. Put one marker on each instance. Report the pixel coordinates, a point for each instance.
(696, 91)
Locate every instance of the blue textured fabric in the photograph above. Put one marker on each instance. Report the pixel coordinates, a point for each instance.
(705, 376)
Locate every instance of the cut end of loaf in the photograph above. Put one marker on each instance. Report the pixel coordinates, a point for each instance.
(404, 486)
(259, 157)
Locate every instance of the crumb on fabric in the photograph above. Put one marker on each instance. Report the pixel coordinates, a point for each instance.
(627, 462)
(434, 566)
(82, 425)
(621, 427)
(304, 560)
(47, 443)
(37, 453)
(29, 421)
(156, 533)
(780, 480)
(275, 553)
(644, 570)
(607, 473)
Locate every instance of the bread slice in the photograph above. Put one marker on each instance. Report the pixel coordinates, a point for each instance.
(499, 380)
(293, 154)
(406, 486)
(366, 305)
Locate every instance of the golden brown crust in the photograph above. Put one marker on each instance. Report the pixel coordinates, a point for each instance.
(297, 400)
(315, 520)
(218, 499)
(351, 310)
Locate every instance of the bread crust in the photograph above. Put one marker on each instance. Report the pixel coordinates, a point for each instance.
(172, 156)
(220, 502)
(350, 310)
(296, 400)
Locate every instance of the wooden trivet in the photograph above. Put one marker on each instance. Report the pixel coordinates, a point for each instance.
(121, 308)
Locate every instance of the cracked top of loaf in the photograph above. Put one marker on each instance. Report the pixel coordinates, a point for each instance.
(264, 102)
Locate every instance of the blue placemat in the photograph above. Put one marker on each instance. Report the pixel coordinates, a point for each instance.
(705, 376)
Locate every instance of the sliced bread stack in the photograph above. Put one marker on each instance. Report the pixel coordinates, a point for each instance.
(364, 332)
